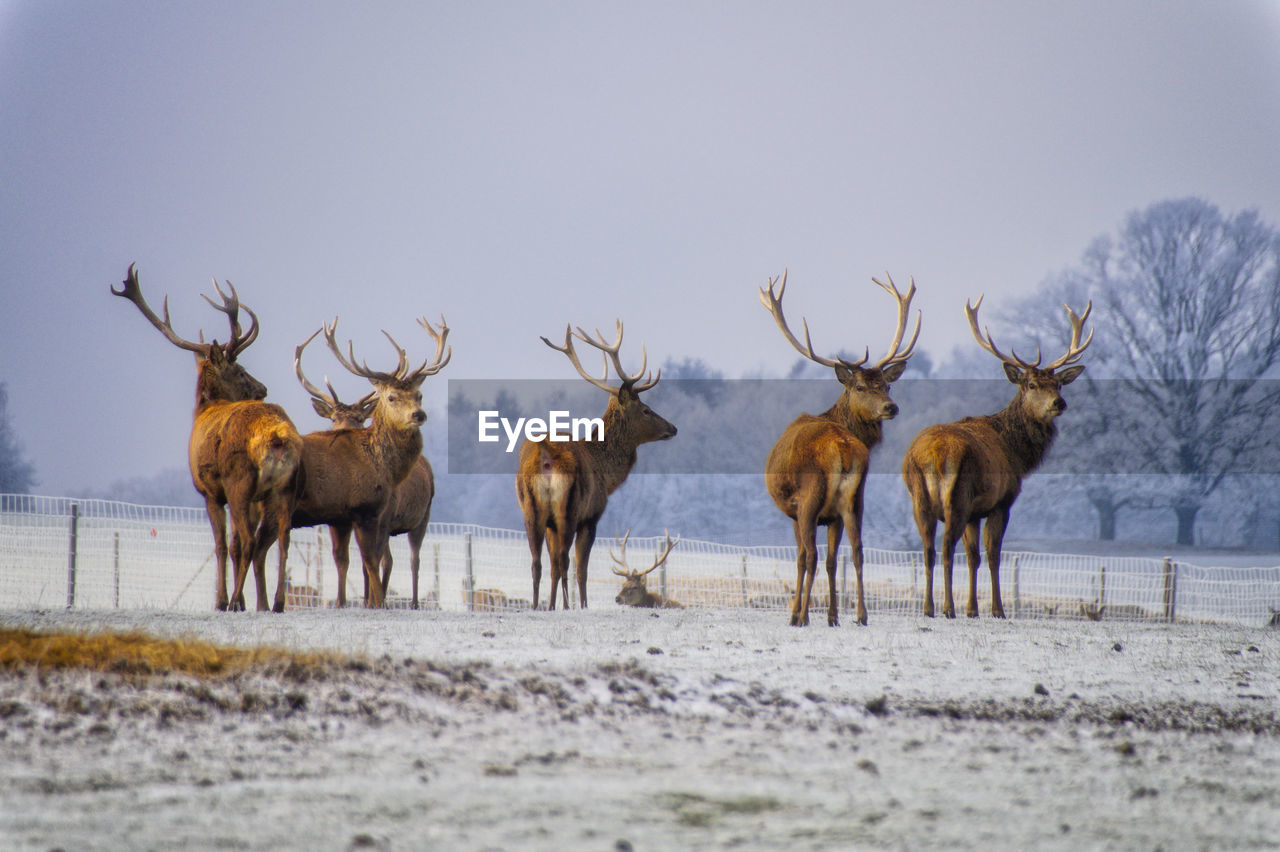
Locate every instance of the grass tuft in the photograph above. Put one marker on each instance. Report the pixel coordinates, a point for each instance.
(137, 653)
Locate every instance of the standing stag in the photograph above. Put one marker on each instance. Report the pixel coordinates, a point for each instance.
(409, 510)
(817, 472)
(563, 486)
(352, 474)
(962, 472)
(634, 591)
(244, 453)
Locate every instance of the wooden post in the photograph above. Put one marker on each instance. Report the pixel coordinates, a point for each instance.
(745, 600)
(844, 579)
(1170, 589)
(1017, 591)
(435, 582)
(71, 555)
(469, 579)
(115, 573)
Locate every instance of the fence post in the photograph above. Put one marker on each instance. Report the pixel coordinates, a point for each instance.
(1017, 591)
(319, 567)
(435, 583)
(1170, 570)
(115, 572)
(745, 601)
(71, 555)
(844, 579)
(468, 580)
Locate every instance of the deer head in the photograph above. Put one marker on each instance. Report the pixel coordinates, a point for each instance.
(326, 402)
(866, 389)
(1039, 388)
(634, 592)
(220, 377)
(631, 420)
(397, 395)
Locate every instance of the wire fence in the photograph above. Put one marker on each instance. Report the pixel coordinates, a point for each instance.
(100, 554)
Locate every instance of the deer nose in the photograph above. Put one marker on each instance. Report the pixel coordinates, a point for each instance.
(891, 410)
(1059, 405)
(419, 417)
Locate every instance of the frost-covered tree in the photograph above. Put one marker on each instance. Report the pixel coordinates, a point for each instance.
(17, 474)
(1186, 307)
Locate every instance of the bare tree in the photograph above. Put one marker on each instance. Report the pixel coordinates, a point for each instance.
(1188, 325)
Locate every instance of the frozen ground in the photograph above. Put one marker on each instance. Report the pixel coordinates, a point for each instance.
(616, 729)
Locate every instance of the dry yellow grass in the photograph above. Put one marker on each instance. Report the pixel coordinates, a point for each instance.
(135, 653)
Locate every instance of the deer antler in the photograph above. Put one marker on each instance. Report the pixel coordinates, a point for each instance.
(773, 303)
(402, 374)
(331, 396)
(131, 290)
(231, 307)
(895, 356)
(609, 353)
(1074, 349)
(622, 560)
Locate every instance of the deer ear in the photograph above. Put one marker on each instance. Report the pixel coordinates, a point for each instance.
(1015, 375)
(1070, 374)
(844, 374)
(893, 372)
(322, 408)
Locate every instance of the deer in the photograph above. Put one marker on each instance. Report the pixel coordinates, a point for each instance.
(352, 474)
(634, 592)
(563, 486)
(409, 509)
(964, 472)
(816, 473)
(244, 453)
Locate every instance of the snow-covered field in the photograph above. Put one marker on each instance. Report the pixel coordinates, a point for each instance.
(630, 729)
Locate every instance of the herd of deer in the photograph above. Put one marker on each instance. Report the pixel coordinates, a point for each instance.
(248, 458)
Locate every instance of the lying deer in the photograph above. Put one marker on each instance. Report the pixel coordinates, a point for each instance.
(634, 592)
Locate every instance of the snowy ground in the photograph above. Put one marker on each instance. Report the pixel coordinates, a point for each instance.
(617, 729)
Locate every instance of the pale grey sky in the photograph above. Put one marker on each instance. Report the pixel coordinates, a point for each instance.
(520, 165)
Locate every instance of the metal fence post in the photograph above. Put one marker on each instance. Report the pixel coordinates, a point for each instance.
(1170, 570)
(745, 600)
(71, 555)
(844, 579)
(1017, 591)
(115, 572)
(435, 583)
(468, 580)
(662, 575)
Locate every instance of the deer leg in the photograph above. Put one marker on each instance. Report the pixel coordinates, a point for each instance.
(218, 520)
(853, 523)
(387, 562)
(242, 545)
(994, 534)
(927, 524)
(415, 558)
(535, 532)
(834, 532)
(586, 537)
(559, 564)
(340, 535)
(950, 535)
(371, 541)
(974, 558)
(806, 568)
(274, 529)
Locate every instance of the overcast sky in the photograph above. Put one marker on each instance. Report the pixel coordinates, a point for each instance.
(519, 165)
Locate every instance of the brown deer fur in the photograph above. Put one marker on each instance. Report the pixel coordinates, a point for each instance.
(564, 486)
(816, 472)
(352, 473)
(408, 511)
(963, 472)
(244, 454)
